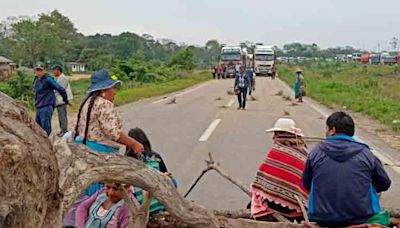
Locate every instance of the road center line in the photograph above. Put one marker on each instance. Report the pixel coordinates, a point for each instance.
(209, 130)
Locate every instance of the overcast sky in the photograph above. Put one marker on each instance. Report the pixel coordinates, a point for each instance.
(329, 23)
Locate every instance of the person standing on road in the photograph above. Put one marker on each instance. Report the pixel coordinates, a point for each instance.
(214, 71)
(278, 180)
(219, 71)
(242, 83)
(273, 72)
(60, 104)
(45, 99)
(252, 79)
(299, 89)
(344, 177)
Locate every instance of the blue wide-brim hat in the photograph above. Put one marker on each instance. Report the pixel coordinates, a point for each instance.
(101, 80)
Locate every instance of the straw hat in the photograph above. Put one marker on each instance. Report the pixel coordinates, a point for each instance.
(298, 70)
(286, 125)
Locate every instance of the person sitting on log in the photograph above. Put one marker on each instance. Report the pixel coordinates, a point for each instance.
(344, 177)
(151, 158)
(99, 127)
(278, 186)
(106, 208)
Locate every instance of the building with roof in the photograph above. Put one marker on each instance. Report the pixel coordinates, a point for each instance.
(7, 68)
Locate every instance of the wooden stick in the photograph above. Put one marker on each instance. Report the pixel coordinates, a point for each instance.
(215, 166)
(303, 209)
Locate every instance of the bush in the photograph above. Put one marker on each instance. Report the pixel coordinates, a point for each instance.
(21, 87)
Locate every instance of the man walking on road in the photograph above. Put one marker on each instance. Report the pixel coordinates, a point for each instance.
(45, 99)
(60, 104)
(252, 79)
(242, 83)
(344, 177)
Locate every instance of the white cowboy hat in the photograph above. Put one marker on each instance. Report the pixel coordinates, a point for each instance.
(286, 125)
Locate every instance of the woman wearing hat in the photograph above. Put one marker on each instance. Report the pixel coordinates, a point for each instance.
(99, 125)
(299, 85)
(278, 179)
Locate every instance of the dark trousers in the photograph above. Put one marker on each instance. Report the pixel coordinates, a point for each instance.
(242, 97)
(62, 117)
(43, 117)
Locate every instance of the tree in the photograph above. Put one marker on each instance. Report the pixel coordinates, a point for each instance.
(394, 43)
(184, 58)
(44, 39)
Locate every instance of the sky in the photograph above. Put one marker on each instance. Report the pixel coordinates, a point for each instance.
(365, 24)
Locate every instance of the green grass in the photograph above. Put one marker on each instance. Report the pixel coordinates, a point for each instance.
(134, 92)
(368, 89)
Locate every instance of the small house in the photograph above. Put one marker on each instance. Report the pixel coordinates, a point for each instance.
(7, 68)
(75, 67)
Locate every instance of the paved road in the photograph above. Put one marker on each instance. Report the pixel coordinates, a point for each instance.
(236, 138)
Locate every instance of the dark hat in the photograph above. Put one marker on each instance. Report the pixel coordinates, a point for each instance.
(39, 66)
(101, 80)
(57, 67)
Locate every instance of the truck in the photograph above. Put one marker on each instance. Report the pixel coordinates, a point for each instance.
(388, 58)
(365, 58)
(264, 60)
(357, 57)
(231, 58)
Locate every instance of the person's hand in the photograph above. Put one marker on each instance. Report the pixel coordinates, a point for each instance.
(137, 148)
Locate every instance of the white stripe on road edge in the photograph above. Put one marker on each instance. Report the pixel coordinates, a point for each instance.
(209, 130)
(230, 103)
(179, 94)
(385, 158)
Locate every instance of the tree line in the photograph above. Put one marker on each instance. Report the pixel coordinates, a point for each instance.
(53, 38)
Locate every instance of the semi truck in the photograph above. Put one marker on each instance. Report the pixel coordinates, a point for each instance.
(263, 60)
(231, 58)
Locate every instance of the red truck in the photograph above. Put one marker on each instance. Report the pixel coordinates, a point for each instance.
(365, 58)
(398, 58)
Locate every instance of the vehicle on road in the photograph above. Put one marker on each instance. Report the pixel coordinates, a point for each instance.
(264, 59)
(375, 59)
(398, 58)
(357, 57)
(388, 58)
(231, 57)
(365, 58)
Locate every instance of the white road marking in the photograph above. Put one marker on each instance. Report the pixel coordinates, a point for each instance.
(209, 130)
(384, 157)
(180, 94)
(230, 103)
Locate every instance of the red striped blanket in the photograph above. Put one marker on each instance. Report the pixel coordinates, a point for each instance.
(278, 181)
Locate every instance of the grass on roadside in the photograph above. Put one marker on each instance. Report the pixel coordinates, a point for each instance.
(368, 89)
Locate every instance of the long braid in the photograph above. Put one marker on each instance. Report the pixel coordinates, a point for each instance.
(89, 112)
(79, 115)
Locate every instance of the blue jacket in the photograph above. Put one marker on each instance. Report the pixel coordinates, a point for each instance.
(44, 91)
(246, 81)
(343, 177)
